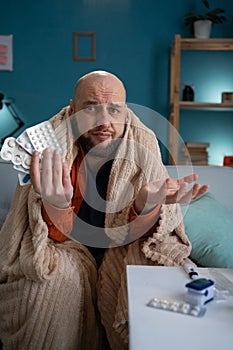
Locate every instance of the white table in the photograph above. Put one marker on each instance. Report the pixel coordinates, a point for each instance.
(151, 328)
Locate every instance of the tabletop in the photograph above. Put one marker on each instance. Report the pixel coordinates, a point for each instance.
(151, 328)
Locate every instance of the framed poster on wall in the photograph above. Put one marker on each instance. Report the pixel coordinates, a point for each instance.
(6, 52)
(84, 46)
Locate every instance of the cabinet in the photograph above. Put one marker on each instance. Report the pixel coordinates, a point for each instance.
(176, 104)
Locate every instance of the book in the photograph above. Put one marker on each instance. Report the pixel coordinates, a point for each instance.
(197, 144)
(196, 152)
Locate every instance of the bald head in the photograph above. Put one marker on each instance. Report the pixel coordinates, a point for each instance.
(101, 86)
(100, 110)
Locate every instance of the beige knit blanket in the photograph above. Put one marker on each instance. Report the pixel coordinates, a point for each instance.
(47, 290)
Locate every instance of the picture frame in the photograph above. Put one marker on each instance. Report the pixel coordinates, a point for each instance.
(6, 52)
(84, 46)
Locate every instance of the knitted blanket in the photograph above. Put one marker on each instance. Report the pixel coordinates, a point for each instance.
(138, 161)
(47, 290)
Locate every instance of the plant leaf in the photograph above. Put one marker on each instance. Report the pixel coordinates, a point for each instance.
(206, 3)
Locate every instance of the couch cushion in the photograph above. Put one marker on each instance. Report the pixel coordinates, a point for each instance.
(220, 179)
(8, 180)
(209, 226)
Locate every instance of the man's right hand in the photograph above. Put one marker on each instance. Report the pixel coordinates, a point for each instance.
(51, 179)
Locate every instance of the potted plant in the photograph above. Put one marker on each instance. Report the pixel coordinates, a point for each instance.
(200, 24)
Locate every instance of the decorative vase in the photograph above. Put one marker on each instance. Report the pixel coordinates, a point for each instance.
(202, 29)
(188, 93)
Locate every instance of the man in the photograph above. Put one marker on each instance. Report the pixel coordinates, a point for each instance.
(106, 201)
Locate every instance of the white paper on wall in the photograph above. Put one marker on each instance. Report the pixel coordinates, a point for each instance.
(6, 52)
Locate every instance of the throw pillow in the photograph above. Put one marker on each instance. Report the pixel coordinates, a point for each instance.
(209, 226)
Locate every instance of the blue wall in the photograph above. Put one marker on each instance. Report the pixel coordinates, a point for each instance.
(133, 41)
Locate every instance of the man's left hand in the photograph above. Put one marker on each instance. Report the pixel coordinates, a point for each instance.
(168, 191)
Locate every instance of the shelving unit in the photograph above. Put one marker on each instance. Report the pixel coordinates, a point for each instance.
(176, 105)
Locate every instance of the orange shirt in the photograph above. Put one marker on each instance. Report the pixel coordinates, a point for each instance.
(60, 221)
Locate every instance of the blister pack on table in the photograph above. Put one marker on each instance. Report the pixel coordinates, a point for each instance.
(177, 306)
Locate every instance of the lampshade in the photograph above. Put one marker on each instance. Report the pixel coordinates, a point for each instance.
(1, 100)
(10, 122)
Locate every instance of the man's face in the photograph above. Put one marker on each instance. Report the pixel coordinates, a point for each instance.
(100, 111)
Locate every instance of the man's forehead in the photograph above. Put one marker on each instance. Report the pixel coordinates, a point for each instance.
(98, 89)
(96, 95)
(109, 104)
(104, 84)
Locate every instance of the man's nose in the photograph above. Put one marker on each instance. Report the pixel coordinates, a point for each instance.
(103, 117)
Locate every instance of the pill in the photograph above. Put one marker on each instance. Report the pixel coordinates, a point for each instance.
(11, 143)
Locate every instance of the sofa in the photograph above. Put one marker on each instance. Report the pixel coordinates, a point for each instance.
(208, 220)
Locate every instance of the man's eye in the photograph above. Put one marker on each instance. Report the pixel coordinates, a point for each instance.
(90, 109)
(113, 111)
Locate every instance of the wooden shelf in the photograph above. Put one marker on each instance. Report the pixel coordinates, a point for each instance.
(206, 105)
(179, 44)
(206, 44)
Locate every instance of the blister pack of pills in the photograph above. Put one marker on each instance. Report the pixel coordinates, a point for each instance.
(177, 306)
(24, 141)
(43, 136)
(12, 151)
(24, 179)
(19, 150)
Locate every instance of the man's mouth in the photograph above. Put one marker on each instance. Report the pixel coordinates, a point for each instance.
(102, 135)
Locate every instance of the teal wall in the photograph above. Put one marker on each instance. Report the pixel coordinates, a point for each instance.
(133, 41)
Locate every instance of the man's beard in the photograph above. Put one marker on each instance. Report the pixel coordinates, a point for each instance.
(103, 149)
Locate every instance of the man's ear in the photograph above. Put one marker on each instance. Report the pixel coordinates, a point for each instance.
(127, 115)
(71, 109)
